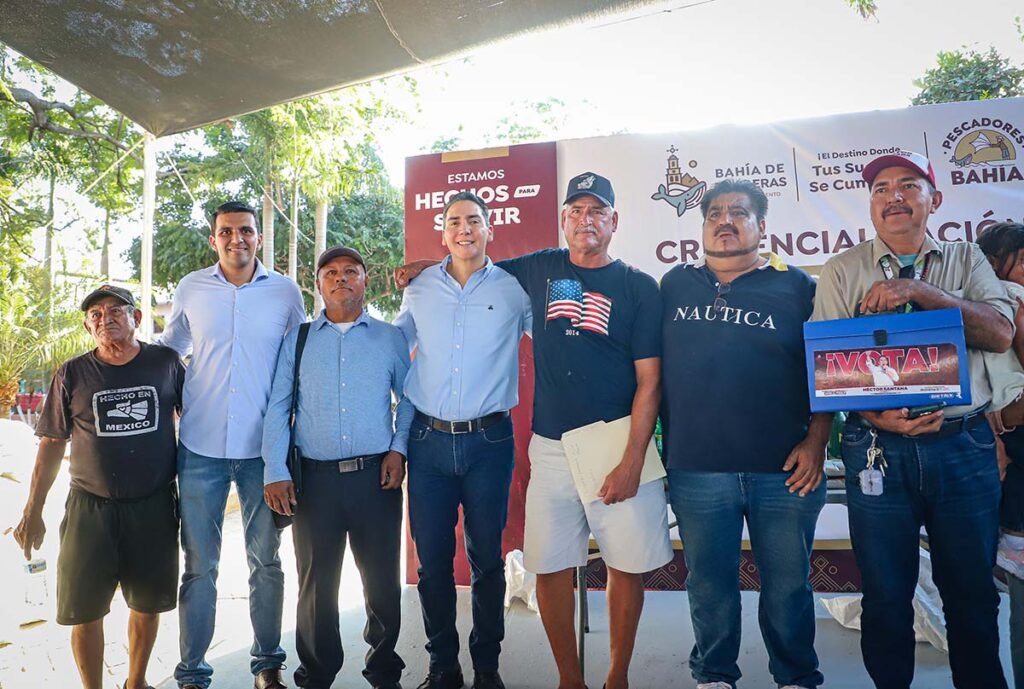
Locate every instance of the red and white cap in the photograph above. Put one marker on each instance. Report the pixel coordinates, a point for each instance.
(908, 159)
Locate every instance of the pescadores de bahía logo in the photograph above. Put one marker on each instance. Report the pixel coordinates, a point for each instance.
(681, 190)
(983, 150)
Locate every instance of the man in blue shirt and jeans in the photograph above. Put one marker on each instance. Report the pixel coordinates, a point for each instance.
(232, 317)
(353, 463)
(465, 319)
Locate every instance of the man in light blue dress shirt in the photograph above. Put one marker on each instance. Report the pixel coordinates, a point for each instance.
(353, 464)
(231, 317)
(464, 318)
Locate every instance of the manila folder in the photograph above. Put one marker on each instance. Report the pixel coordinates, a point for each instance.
(595, 449)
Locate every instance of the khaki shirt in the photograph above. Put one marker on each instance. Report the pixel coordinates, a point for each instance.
(959, 268)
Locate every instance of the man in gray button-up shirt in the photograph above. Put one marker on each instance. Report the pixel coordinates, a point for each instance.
(940, 468)
(353, 454)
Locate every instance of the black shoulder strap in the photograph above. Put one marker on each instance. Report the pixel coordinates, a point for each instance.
(300, 344)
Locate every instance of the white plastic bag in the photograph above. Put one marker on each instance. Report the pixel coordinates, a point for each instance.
(518, 582)
(929, 622)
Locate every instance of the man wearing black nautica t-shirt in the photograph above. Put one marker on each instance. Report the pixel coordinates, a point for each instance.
(740, 441)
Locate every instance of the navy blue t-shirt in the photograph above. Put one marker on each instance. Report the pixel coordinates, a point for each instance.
(734, 382)
(589, 326)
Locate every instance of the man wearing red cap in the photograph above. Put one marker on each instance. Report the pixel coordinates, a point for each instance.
(940, 468)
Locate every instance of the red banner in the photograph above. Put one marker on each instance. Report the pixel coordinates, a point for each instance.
(518, 184)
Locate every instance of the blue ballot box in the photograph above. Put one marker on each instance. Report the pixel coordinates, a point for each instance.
(887, 362)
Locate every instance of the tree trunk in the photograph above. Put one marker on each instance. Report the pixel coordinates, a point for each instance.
(48, 258)
(320, 244)
(105, 254)
(8, 395)
(268, 224)
(293, 236)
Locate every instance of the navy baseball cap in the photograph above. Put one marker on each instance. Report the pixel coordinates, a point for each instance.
(591, 184)
(336, 251)
(108, 291)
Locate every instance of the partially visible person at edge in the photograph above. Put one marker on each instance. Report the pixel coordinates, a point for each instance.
(1003, 245)
(465, 318)
(733, 324)
(117, 404)
(353, 463)
(957, 501)
(231, 317)
(597, 359)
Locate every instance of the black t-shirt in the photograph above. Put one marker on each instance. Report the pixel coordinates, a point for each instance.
(734, 382)
(120, 420)
(589, 326)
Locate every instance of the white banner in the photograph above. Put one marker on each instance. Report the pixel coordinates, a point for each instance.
(810, 171)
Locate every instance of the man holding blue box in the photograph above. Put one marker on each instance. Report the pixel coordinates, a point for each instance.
(940, 467)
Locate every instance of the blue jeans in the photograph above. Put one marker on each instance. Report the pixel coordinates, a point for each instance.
(710, 509)
(204, 483)
(949, 485)
(1016, 587)
(474, 470)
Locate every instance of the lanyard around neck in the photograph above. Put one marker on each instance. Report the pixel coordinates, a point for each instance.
(921, 265)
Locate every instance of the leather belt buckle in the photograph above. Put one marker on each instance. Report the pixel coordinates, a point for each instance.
(347, 465)
(460, 427)
(359, 463)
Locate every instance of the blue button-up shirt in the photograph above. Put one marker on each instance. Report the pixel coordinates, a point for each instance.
(234, 334)
(466, 341)
(345, 386)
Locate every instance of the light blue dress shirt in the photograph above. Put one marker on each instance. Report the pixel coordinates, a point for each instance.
(234, 334)
(466, 341)
(345, 387)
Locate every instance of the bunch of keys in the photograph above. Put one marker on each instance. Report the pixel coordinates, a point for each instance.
(871, 478)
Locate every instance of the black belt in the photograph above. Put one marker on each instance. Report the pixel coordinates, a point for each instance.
(456, 427)
(344, 465)
(949, 426)
(960, 423)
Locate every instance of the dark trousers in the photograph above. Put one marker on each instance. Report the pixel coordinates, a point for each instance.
(949, 485)
(474, 470)
(332, 508)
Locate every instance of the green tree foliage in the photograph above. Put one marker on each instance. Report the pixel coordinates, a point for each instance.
(865, 8)
(373, 224)
(77, 143)
(325, 148)
(966, 74)
(33, 340)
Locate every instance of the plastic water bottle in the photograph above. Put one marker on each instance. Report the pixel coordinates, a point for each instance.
(36, 594)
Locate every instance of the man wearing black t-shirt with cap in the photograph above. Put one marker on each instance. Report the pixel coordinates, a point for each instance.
(117, 404)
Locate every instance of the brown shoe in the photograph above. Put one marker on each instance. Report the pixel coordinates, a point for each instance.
(269, 679)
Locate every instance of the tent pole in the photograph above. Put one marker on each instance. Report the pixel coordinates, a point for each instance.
(148, 214)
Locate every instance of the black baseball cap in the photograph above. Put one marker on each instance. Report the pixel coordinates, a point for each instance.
(336, 251)
(108, 291)
(591, 184)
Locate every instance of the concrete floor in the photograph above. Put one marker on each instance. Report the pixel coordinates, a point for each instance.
(40, 656)
(660, 661)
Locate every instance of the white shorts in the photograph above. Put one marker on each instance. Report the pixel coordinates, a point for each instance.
(632, 535)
